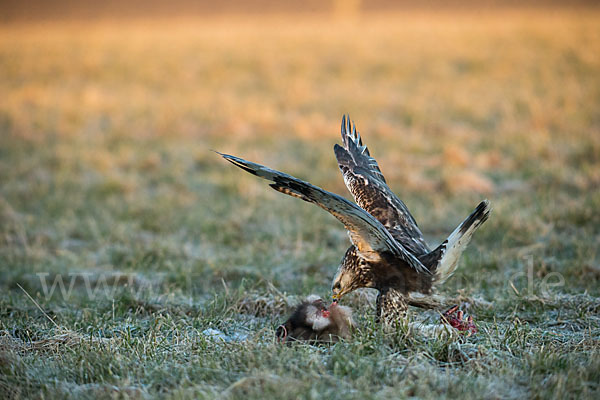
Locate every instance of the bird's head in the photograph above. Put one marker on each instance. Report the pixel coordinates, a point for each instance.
(343, 283)
(352, 274)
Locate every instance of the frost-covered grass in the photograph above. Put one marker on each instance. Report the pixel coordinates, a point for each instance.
(177, 266)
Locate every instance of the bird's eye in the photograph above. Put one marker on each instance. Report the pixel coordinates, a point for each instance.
(337, 286)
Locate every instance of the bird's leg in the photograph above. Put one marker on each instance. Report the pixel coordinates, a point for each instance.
(391, 307)
(455, 318)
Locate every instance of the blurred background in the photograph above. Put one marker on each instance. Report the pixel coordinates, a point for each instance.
(139, 243)
(109, 111)
(88, 9)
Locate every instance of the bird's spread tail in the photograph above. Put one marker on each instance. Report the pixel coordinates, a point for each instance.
(442, 261)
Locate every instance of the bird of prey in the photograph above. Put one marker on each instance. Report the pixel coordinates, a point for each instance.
(388, 251)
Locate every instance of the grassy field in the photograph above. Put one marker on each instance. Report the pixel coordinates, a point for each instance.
(177, 266)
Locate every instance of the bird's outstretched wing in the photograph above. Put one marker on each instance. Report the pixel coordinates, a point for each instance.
(444, 259)
(367, 184)
(366, 233)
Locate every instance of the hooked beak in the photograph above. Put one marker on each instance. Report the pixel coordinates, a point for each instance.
(336, 297)
(338, 292)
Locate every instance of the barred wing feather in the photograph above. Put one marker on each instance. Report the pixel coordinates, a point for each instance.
(370, 191)
(366, 233)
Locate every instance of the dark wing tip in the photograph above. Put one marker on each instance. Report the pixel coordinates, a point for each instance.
(484, 209)
(351, 136)
(345, 129)
(238, 162)
(478, 216)
(487, 210)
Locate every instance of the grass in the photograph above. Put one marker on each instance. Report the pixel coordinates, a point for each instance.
(177, 266)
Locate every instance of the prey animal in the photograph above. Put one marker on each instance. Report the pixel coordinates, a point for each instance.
(313, 321)
(388, 251)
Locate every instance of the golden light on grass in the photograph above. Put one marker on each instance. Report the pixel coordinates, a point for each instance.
(106, 171)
